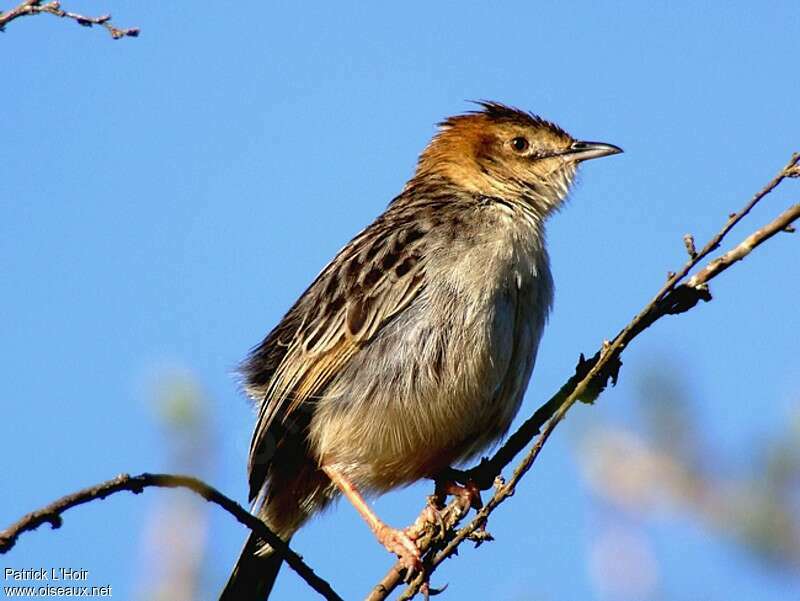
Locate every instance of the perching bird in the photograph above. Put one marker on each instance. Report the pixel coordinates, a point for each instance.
(412, 349)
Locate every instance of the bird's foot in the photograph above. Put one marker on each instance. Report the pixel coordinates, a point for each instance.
(435, 518)
(469, 495)
(401, 543)
(430, 521)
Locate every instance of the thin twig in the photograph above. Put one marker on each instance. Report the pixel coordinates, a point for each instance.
(591, 377)
(783, 223)
(35, 7)
(136, 484)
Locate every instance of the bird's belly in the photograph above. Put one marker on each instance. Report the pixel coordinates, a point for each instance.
(430, 392)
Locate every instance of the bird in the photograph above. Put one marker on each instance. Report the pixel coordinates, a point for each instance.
(411, 350)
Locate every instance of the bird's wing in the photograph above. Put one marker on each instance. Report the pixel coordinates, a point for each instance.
(371, 280)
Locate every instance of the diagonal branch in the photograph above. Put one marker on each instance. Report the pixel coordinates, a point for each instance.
(590, 379)
(136, 484)
(782, 223)
(36, 7)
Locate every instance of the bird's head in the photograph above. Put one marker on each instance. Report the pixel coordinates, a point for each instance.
(499, 151)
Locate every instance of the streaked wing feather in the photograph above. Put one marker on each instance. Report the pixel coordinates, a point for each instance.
(370, 282)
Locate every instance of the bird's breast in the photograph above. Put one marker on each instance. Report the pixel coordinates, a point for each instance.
(444, 379)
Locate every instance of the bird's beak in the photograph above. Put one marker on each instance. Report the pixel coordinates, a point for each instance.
(583, 151)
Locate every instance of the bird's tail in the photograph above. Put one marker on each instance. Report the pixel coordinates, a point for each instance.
(254, 574)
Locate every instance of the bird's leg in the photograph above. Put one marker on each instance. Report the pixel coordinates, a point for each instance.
(396, 541)
(469, 494)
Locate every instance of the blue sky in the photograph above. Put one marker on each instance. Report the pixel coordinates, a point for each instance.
(165, 199)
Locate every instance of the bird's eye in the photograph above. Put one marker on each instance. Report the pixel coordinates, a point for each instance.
(519, 144)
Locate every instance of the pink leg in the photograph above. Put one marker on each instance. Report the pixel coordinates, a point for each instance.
(396, 541)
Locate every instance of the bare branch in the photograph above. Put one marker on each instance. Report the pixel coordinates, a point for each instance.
(36, 7)
(136, 484)
(783, 223)
(590, 379)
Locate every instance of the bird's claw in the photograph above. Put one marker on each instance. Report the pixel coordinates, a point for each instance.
(432, 514)
(401, 544)
(469, 494)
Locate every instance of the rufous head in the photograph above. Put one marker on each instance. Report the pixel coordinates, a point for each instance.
(500, 151)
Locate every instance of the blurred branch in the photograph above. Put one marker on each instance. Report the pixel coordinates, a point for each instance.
(176, 530)
(590, 379)
(758, 510)
(136, 484)
(36, 7)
